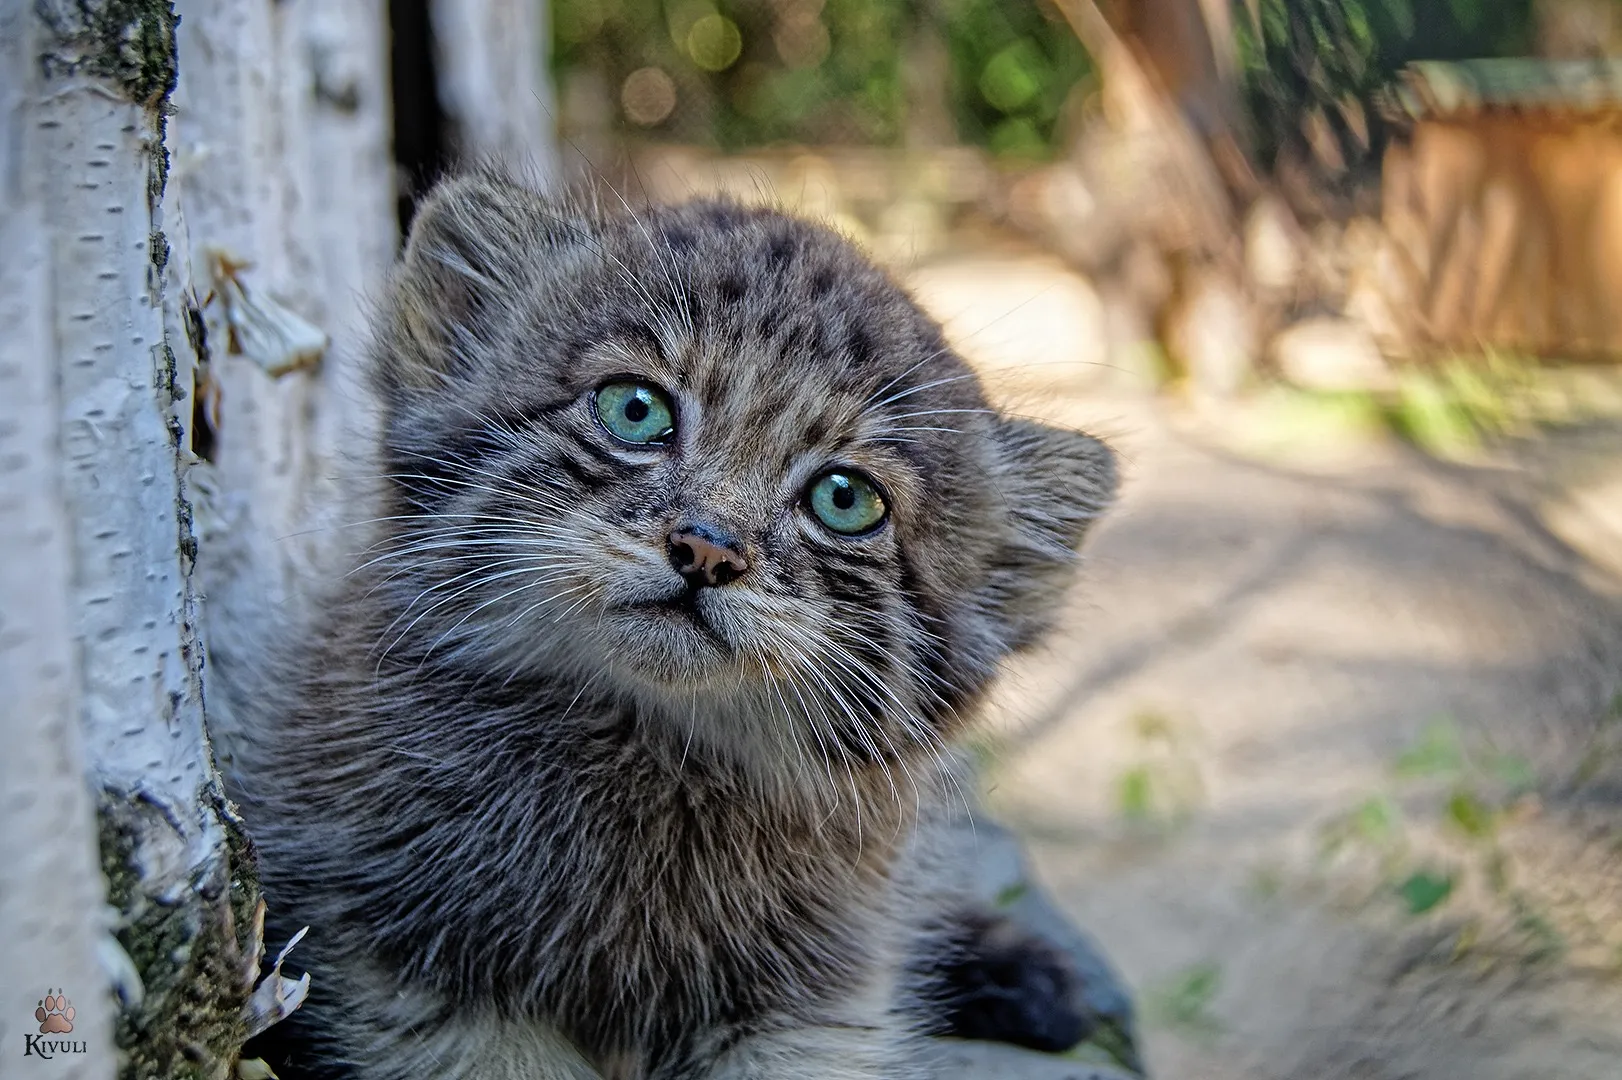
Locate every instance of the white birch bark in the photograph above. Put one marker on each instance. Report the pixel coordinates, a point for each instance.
(103, 673)
(286, 154)
(50, 882)
(493, 81)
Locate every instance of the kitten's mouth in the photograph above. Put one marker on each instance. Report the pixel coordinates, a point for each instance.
(684, 607)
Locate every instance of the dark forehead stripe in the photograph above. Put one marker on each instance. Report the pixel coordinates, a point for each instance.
(859, 344)
(772, 408)
(796, 332)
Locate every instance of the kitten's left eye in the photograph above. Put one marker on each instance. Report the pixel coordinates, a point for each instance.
(635, 412)
(846, 502)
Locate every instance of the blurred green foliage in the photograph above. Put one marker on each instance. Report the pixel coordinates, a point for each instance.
(1477, 793)
(1424, 890)
(1014, 66)
(1327, 58)
(1182, 1001)
(736, 73)
(1164, 788)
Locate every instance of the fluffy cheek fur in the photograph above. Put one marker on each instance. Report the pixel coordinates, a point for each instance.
(516, 563)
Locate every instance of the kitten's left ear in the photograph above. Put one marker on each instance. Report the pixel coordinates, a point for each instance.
(480, 245)
(1055, 483)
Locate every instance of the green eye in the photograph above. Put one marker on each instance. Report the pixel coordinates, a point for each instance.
(635, 412)
(847, 502)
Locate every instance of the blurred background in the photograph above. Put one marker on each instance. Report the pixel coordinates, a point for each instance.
(1328, 755)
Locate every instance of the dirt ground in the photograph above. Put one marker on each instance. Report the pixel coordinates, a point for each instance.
(1327, 753)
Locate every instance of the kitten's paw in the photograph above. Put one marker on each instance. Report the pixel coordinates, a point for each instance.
(1002, 983)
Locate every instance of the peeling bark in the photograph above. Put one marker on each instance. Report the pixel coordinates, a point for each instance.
(282, 161)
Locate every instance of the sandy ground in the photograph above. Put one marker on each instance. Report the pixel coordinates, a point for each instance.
(1253, 651)
(1354, 641)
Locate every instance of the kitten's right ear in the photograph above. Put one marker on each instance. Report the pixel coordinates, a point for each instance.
(1055, 483)
(477, 246)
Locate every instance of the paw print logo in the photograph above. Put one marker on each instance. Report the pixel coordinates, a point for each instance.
(54, 1014)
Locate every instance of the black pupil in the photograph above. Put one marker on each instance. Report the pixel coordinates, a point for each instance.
(636, 410)
(844, 496)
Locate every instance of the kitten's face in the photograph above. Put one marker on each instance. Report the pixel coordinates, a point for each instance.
(711, 459)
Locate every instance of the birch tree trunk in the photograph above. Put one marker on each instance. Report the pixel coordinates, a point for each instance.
(164, 245)
(50, 888)
(103, 724)
(283, 125)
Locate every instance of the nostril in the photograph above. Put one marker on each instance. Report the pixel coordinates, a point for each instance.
(682, 557)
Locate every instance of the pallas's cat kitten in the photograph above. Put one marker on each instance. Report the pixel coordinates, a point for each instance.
(622, 751)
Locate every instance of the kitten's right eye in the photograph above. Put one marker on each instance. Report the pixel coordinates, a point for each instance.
(847, 502)
(635, 413)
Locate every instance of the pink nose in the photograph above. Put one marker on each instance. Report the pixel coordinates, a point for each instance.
(705, 556)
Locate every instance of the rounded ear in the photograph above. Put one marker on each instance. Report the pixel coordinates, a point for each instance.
(479, 244)
(1055, 483)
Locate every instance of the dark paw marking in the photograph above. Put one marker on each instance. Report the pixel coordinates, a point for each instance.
(1000, 983)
